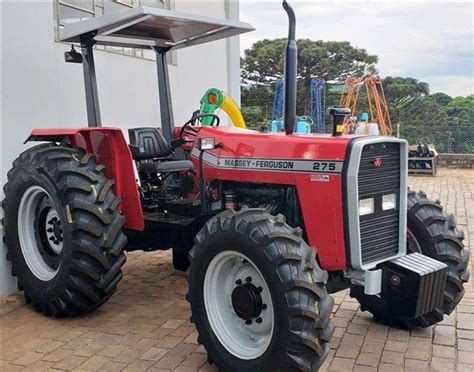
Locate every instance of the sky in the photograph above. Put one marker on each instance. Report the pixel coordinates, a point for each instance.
(432, 41)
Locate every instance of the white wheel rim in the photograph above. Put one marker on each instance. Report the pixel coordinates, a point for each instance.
(27, 234)
(245, 341)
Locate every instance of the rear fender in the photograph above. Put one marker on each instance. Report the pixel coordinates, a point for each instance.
(111, 150)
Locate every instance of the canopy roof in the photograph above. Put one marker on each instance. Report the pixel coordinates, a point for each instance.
(145, 27)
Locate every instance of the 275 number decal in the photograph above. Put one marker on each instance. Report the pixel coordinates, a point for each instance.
(324, 166)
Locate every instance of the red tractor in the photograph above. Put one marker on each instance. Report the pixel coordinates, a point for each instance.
(272, 223)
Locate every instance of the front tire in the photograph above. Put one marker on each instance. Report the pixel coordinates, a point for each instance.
(63, 230)
(432, 232)
(257, 294)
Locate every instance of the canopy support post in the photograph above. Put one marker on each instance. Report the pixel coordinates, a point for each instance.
(90, 81)
(164, 91)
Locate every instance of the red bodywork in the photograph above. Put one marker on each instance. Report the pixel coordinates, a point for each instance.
(319, 193)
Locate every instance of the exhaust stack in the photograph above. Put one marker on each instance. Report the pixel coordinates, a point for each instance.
(290, 72)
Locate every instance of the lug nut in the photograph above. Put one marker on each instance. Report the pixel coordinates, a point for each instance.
(50, 230)
(248, 279)
(248, 322)
(259, 290)
(395, 280)
(259, 320)
(264, 306)
(238, 282)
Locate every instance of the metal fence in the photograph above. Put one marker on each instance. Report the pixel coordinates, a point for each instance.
(446, 139)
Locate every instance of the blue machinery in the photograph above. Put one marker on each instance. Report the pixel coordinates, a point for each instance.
(304, 124)
(318, 104)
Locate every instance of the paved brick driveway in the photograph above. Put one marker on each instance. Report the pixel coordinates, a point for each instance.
(145, 325)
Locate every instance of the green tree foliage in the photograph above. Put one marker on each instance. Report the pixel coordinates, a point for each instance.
(264, 63)
(442, 99)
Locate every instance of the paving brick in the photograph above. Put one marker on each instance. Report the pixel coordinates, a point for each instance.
(195, 360)
(418, 354)
(27, 358)
(139, 366)
(416, 365)
(398, 346)
(95, 363)
(208, 368)
(357, 329)
(347, 351)
(89, 350)
(368, 359)
(373, 347)
(112, 351)
(154, 354)
(361, 368)
(69, 363)
(57, 355)
(466, 345)
(172, 324)
(419, 343)
(37, 366)
(168, 362)
(183, 350)
(444, 351)
(342, 364)
(145, 343)
(113, 366)
(390, 368)
(464, 367)
(442, 364)
(355, 340)
(465, 357)
(391, 357)
(170, 342)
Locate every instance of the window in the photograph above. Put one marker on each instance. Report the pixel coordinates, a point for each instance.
(70, 11)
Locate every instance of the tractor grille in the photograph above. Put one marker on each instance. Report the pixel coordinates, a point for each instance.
(379, 232)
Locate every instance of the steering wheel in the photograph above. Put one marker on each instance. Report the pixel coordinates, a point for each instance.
(190, 129)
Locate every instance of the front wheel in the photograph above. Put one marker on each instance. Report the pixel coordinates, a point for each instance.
(257, 294)
(431, 232)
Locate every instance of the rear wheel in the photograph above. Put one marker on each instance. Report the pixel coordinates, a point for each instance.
(432, 232)
(63, 230)
(257, 294)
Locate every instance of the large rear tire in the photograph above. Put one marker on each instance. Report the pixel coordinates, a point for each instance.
(63, 230)
(258, 295)
(432, 232)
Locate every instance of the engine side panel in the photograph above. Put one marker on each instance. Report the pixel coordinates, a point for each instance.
(312, 163)
(112, 151)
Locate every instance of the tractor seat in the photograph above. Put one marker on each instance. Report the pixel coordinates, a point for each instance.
(147, 144)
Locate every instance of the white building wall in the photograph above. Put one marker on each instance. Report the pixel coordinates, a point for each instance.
(40, 90)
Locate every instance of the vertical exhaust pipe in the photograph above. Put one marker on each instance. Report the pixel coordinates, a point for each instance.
(290, 71)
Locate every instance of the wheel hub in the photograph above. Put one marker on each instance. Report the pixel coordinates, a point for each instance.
(239, 305)
(247, 301)
(54, 231)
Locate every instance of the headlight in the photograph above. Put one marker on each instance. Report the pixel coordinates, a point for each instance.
(389, 202)
(206, 143)
(366, 206)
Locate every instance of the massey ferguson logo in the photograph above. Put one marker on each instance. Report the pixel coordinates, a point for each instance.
(378, 162)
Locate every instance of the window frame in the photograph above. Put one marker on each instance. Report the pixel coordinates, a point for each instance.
(135, 52)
